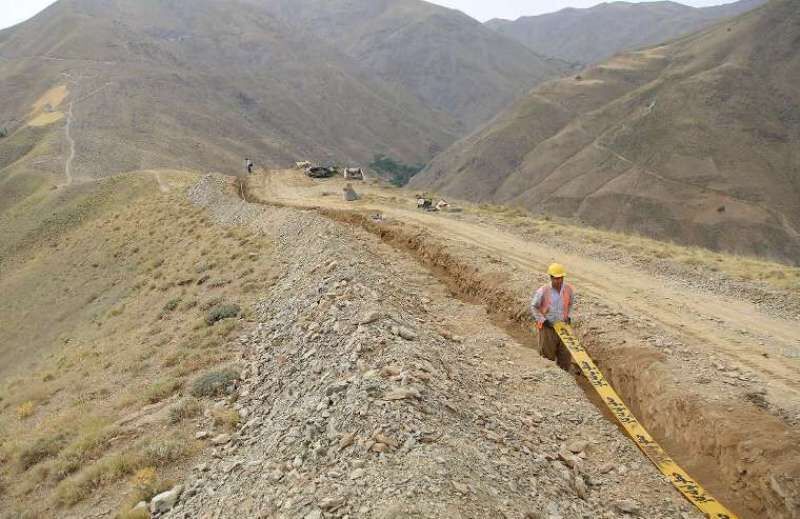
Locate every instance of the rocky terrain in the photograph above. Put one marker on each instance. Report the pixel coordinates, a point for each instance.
(366, 396)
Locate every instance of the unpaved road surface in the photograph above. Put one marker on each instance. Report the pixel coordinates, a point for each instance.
(716, 379)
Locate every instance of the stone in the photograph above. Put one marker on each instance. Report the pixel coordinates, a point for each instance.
(380, 438)
(336, 388)
(402, 393)
(222, 439)
(407, 333)
(568, 459)
(166, 501)
(201, 435)
(461, 487)
(357, 474)
(369, 318)
(627, 506)
(577, 446)
(332, 503)
(605, 468)
(141, 505)
(580, 487)
(346, 441)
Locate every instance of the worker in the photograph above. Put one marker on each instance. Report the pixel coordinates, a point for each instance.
(248, 164)
(552, 303)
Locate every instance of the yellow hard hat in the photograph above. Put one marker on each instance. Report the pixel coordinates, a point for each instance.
(556, 270)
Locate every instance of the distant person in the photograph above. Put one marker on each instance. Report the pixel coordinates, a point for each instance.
(552, 303)
(248, 164)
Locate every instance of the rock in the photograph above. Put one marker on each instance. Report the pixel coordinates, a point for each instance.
(568, 459)
(370, 317)
(201, 435)
(166, 501)
(314, 514)
(402, 393)
(380, 438)
(222, 439)
(580, 487)
(577, 446)
(461, 487)
(346, 441)
(407, 333)
(627, 506)
(332, 503)
(141, 505)
(357, 474)
(336, 388)
(605, 468)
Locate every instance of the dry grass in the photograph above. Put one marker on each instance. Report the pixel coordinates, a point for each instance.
(645, 250)
(124, 284)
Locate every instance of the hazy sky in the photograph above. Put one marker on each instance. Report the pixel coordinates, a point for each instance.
(15, 11)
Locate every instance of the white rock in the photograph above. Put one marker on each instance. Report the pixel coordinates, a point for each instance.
(166, 501)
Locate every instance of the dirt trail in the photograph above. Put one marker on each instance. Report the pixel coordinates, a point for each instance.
(750, 459)
(71, 141)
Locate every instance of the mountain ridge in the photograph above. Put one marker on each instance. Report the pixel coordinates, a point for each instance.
(690, 141)
(590, 35)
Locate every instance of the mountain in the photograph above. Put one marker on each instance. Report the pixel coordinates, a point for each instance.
(695, 141)
(448, 60)
(591, 35)
(197, 84)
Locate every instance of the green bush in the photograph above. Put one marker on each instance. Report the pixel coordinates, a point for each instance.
(398, 173)
(222, 312)
(3, 133)
(214, 383)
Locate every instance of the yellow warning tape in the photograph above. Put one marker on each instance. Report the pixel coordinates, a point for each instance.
(682, 481)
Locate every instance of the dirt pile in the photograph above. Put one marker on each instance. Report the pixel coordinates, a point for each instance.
(368, 391)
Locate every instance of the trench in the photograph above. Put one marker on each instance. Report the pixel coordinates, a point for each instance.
(743, 456)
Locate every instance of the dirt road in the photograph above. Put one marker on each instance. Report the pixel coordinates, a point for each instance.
(731, 329)
(686, 359)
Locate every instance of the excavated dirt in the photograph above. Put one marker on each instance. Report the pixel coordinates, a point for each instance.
(745, 456)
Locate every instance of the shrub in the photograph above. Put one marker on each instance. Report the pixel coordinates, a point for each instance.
(172, 305)
(3, 133)
(222, 312)
(214, 383)
(26, 410)
(185, 409)
(91, 442)
(43, 448)
(399, 173)
(161, 390)
(228, 419)
(159, 452)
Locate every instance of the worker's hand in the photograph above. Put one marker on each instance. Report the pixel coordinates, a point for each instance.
(569, 320)
(548, 323)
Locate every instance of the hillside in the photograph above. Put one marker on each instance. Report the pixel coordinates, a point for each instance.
(591, 35)
(198, 84)
(693, 141)
(448, 60)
